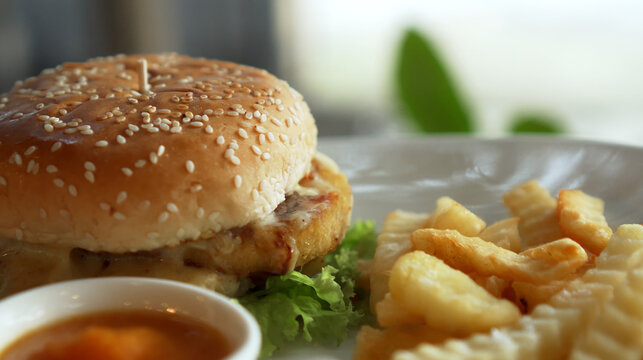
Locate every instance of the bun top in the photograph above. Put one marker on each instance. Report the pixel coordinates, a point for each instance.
(90, 159)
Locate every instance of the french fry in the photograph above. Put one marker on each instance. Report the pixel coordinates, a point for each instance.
(394, 241)
(375, 344)
(617, 331)
(552, 328)
(581, 218)
(531, 295)
(403, 222)
(391, 313)
(448, 299)
(493, 284)
(504, 233)
(387, 252)
(536, 209)
(551, 261)
(449, 214)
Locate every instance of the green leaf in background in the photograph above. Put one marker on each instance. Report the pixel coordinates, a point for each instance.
(531, 122)
(426, 89)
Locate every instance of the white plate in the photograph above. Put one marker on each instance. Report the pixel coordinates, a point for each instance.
(411, 173)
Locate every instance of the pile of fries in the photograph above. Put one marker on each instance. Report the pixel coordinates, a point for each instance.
(552, 282)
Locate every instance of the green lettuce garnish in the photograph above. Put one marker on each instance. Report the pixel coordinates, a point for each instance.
(318, 309)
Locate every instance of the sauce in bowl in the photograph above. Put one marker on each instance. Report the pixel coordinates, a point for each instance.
(121, 335)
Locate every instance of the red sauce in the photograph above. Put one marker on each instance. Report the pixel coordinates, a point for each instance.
(124, 335)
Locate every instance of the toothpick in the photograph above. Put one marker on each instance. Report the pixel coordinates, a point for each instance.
(143, 86)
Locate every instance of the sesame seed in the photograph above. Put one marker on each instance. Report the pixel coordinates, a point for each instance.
(213, 217)
(49, 128)
(87, 132)
(234, 145)
(154, 158)
(263, 185)
(72, 190)
(255, 194)
(90, 166)
(248, 115)
(164, 127)
(140, 163)
(144, 204)
(70, 130)
(57, 145)
(189, 166)
(196, 188)
(262, 139)
(220, 140)
(127, 171)
(30, 150)
(129, 132)
(208, 129)
(122, 196)
(271, 137)
(19, 234)
(89, 176)
(235, 160)
(228, 153)
(237, 181)
(121, 139)
(163, 217)
(209, 111)
(62, 112)
(243, 133)
(101, 143)
(200, 213)
(232, 113)
(51, 169)
(219, 111)
(205, 118)
(196, 124)
(3, 181)
(133, 127)
(105, 206)
(15, 157)
(171, 207)
(161, 150)
(256, 150)
(30, 166)
(265, 156)
(119, 216)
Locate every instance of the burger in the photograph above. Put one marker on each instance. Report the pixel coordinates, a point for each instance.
(167, 166)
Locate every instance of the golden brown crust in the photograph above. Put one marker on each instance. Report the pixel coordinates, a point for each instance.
(242, 139)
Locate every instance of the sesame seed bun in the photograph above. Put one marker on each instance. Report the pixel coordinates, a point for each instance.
(90, 159)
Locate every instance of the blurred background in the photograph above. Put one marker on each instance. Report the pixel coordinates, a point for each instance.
(378, 67)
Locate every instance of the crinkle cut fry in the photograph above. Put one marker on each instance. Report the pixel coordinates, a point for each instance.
(549, 332)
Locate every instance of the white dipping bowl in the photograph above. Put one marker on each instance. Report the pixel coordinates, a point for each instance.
(32, 309)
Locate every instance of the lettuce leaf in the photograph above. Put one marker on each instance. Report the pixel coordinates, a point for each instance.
(319, 309)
